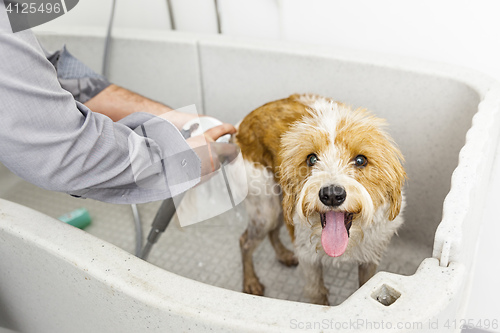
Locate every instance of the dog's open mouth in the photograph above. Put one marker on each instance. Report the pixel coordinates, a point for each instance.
(335, 233)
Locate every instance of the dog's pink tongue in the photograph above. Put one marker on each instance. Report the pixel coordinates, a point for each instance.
(334, 236)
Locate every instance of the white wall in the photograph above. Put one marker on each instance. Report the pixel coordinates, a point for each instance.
(195, 15)
(455, 31)
(254, 18)
(462, 32)
(129, 14)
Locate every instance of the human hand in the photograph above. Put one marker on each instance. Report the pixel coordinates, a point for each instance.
(210, 152)
(211, 135)
(178, 118)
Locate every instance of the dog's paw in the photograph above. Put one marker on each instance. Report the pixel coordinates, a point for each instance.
(317, 294)
(287, 258)
(320, 300)
(253, 286)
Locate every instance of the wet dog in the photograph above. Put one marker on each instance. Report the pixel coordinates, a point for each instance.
(332, 174)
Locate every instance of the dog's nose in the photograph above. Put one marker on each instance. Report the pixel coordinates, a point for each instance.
(332, 195)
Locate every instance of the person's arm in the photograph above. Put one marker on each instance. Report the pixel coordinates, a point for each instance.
(101, 96)
(56, 143)
(117, 103)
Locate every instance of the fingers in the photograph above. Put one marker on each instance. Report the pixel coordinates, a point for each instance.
(197, 141)
(216, 132)
(211, 135)
(225, 152)
(213, 155)
(208, 158)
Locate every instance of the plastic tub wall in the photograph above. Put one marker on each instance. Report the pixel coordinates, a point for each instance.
(59, 279)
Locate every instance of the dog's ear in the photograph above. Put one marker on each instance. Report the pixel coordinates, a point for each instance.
(288, 202)
(395, 199)
(396, 181)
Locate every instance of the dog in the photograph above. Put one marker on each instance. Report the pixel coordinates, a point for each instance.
(332, 174)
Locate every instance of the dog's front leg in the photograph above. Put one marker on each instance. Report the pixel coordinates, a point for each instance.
(315, 286)
(249, 241)
(365, 272)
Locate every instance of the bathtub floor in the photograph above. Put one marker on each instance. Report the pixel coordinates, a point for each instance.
(209, 251)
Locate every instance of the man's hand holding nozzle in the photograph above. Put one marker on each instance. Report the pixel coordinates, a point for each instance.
(212, 153)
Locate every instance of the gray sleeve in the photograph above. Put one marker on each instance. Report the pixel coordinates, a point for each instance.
(58, 144)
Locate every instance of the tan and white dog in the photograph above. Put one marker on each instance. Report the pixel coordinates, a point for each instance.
(332, 174)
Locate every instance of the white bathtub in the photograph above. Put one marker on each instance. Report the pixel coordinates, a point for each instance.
(55, 278)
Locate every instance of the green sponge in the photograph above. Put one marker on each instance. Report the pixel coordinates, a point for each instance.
(79, 218)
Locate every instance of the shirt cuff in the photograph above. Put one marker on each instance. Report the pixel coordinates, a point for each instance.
(163, 165)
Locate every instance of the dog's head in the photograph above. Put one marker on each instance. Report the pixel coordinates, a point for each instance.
(338, 167)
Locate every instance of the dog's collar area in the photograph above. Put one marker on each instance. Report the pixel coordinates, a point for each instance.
(347, 221)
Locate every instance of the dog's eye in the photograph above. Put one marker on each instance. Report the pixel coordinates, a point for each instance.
(312, 159)
(360, 161)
